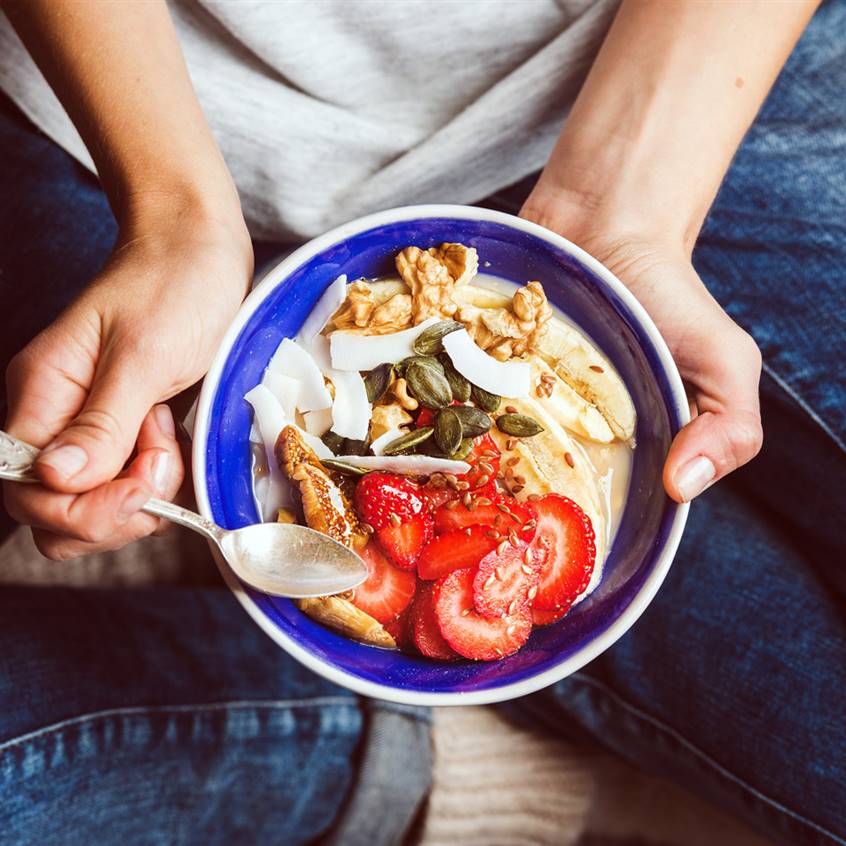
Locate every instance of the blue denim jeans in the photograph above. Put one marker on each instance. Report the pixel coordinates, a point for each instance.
(164, 716)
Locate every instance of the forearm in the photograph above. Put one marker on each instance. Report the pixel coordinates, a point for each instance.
(119, 72)
(672, 92)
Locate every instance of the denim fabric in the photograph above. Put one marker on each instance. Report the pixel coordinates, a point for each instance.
(165, 717)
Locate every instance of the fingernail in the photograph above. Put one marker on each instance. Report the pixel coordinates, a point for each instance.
(67, 460)
(131, 505)
(164, 420)
(694, 477)
(161, 472)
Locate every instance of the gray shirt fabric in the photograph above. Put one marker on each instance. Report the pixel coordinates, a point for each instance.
(329, 109)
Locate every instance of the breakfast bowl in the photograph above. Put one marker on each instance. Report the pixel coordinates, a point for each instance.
(649, 526)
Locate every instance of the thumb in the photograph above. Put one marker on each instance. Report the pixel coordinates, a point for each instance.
(96, 444)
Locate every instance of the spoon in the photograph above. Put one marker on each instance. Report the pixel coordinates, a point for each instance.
(281, 559)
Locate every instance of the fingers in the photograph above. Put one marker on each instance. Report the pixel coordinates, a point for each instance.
(94, 447)
(68, 525)
(726, 433)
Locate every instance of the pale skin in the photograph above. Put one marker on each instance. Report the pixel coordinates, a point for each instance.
(674, 88)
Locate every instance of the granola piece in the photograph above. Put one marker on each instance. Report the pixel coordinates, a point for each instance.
(432, 274)
(340, 614)
(386, 417)
(507, 332)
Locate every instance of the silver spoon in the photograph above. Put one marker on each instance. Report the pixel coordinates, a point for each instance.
(276, 558)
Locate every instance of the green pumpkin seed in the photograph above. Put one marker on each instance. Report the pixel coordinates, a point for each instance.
(428, 386)
(334, 442)
(427, 360)
(343, 467)
(377, 380)
(484, 399)
(474, 421)
(459, 385)
(464, 449)
(447, 431)
(353, 447)
(430, 341)
(404, 443)
(518, 425)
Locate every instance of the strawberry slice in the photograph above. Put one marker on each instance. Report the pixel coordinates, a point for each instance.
(484, 461)
(455, 550)
(425, 631)
(468, 632)
(400, 627)
(506, 581)
(434, 496)
(387, 591)
(500, 511)
(426, 417)
(564, 547)
(403, 543)
(378, 496)
(546, 618)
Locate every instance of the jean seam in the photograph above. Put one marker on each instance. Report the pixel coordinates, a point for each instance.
(704, 758)
(804, 405)
(206, 707)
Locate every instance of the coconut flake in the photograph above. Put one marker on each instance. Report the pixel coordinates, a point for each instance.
(351, 351)
(383, 440)
(270, 421)
(504, 378)
(317, 423)
(293, 361)
(330, 301)
(285, 389)
(410, 465)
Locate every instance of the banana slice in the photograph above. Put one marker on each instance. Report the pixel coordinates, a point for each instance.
(569, 408)
(341, 615)
(543, 463)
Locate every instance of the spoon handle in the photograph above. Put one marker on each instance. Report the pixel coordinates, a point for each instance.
(17, 458)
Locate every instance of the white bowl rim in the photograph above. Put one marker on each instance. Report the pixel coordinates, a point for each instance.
(373, 689)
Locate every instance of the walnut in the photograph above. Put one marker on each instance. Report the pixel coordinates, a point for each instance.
(359, 312)
(506, 332)
(432, 274)
(387, 417)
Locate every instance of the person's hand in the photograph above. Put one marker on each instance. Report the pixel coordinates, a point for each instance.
(718, 361)
(89, 389)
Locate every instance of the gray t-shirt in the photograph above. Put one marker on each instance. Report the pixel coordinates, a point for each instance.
(329, 109)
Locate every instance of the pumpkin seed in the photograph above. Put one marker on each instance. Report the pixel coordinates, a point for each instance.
(474, 421)
(464, 449)
(353, 447)
(484, 399)
(428, 360)
(428, 385)
(430, 341)
(519, 425)
(460, 386)
(334, 442)
(343, 467)
(447, 430)
(406, 442)
(377, 380)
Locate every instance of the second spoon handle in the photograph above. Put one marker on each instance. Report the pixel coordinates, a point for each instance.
(184, 517)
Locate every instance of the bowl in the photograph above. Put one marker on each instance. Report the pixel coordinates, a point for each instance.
(651, 524)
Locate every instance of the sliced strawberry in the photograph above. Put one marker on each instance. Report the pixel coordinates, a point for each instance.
(468, 632)
(434, 496)
(545, 618)
(484, 461)
(425, 631)
(403, 543)
(455, 550)
(426, 417)
(387, 591)
(505, 581)
(564, 546)
(380, 495)
(500, 511)
(400, 627)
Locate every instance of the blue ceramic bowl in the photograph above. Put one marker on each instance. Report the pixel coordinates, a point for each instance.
(651, 524)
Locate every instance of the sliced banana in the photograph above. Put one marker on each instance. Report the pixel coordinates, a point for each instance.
(568, 407)
(341, 615)
(543, 463)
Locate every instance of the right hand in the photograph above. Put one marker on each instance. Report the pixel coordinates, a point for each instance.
(89, 389)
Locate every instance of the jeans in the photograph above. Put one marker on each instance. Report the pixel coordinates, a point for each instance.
(164, 716)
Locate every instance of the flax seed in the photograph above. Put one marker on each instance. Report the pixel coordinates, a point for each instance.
(527, 555)
(511, 443)
(503, 508)
(533, 592)
(596, 368)
(511, 629)
(515, 489)
(521, 480)
(515, 459)
(462, 486)
(488, 468)
(468, 531)
(512, 607)
(527, 570)
(497, 519)
(540, 392)
(513, 516)
(490, 533)
(534, 497)
(503, 545)
(569, 459)
(489, 582)
(467, 500)
(510, 409)
(367, 528)
(453, 503)
(482, 480)
(512, 537)
(482, 500)
(499, 573)
(509, 472)
(530, 524)
(394, 520)
(465, 612)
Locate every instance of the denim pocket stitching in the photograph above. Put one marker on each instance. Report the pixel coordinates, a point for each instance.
(718, 768)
